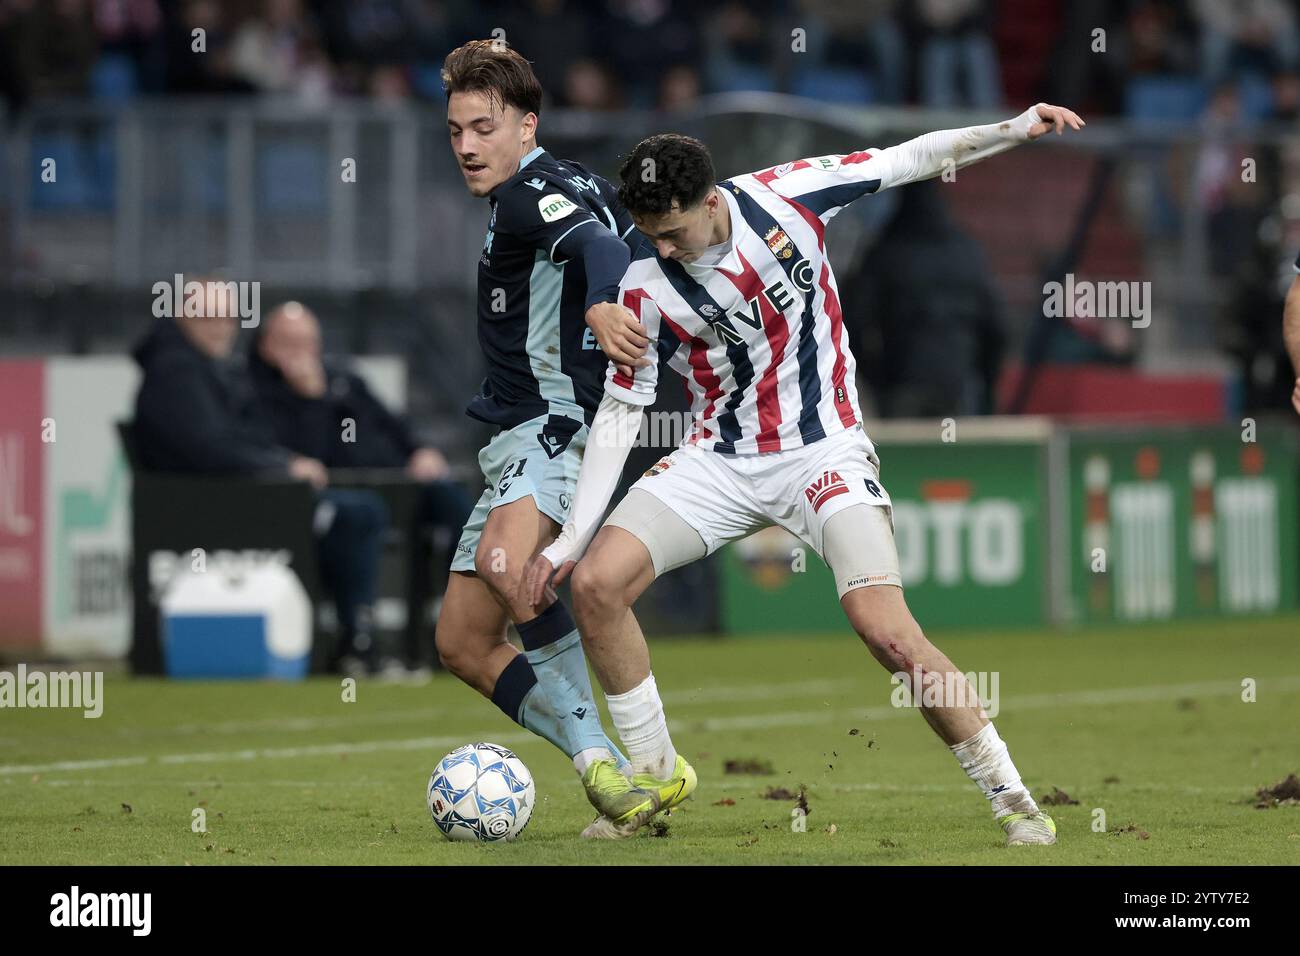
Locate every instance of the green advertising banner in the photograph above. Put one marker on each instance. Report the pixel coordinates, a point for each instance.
(1181, 523)
(970, 521)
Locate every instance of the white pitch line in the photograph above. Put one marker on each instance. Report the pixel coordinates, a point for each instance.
(1117, 695)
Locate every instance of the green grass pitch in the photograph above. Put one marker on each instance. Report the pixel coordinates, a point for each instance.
(1146, 724)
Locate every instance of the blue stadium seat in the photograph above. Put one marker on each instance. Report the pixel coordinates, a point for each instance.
(739, 77)
(1255, 94)
(84, 166)
(1164, 98)
(291, 178)
(426, 80)
(834, 85)
(114, 77)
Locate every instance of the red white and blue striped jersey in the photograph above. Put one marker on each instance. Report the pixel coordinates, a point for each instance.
(758, 334)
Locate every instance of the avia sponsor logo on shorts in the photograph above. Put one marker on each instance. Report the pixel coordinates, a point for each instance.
(824, 489)
(75, 690)
(922, 688)
(133, 910)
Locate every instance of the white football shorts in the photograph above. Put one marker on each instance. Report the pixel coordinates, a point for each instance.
(727, 497)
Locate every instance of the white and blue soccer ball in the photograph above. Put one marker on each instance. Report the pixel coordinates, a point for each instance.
(481, 792)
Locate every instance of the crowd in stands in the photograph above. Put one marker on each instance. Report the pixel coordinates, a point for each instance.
(1161, 57)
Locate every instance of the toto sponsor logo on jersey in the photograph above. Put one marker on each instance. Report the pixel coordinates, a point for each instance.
(824, 489)
(555, 207)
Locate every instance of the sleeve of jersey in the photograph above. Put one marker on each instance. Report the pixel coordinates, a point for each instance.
(641, 387)
(826, 184)
(613, 432)
(544, 218)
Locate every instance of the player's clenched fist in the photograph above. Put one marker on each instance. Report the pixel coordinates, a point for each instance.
(620, 335)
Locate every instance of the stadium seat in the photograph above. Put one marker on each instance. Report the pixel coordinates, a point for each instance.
(85, 168)
(291, 178)
(740, 78)
(1164, 98)
(834, 85)
(114, 77)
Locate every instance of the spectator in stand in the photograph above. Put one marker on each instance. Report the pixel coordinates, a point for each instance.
(1241, 37)
(856, 35)
(279, 52)
(926, 348)
(957, 60)
(309, 400)
(196, 413)
(208, 69)
(53, 47)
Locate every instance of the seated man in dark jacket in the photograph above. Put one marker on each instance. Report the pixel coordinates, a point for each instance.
(327, 412)
(196, 412)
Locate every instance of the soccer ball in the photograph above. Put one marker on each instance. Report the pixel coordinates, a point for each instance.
(481, 792)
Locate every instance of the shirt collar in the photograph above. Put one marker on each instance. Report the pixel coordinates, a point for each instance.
(537, 151)
(731, 261)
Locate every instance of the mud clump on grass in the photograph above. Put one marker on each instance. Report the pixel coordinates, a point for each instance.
(1283, 793)
(752, 766)
(784, 793)
(1132, 828)
(1058, 798)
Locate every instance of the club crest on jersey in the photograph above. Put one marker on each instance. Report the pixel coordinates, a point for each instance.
(779, 243)
(824, 489)
(555, 207)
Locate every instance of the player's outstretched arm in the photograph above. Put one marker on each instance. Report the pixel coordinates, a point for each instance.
(930, 154)
(613, 432)
(1291, 335)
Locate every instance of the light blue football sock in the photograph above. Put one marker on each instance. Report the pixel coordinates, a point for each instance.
(562, 707)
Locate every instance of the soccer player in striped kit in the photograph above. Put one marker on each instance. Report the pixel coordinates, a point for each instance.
(737, 294)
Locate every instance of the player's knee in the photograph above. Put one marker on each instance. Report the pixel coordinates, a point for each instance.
(499, 570)
(892, 642)
(595, 592)
(451, 647)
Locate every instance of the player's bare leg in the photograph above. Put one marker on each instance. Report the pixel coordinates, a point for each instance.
(618, 567)
(880, 615)
(606, 583)
(545, 688)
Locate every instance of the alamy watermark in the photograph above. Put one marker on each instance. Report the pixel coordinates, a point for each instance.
(208, 298)
(1084, 299)
(936, 689)
(79, 690)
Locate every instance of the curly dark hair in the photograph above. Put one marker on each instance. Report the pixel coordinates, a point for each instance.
(662, 169)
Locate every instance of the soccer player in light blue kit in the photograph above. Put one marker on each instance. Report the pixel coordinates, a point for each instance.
(556, 248)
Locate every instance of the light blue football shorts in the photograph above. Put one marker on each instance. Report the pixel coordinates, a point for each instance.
(539, 457)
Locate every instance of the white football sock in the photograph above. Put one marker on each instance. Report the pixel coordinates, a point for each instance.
(638, 716)
(985, 759)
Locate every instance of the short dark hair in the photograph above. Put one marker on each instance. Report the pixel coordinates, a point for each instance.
(491, 67)
(662, 169)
